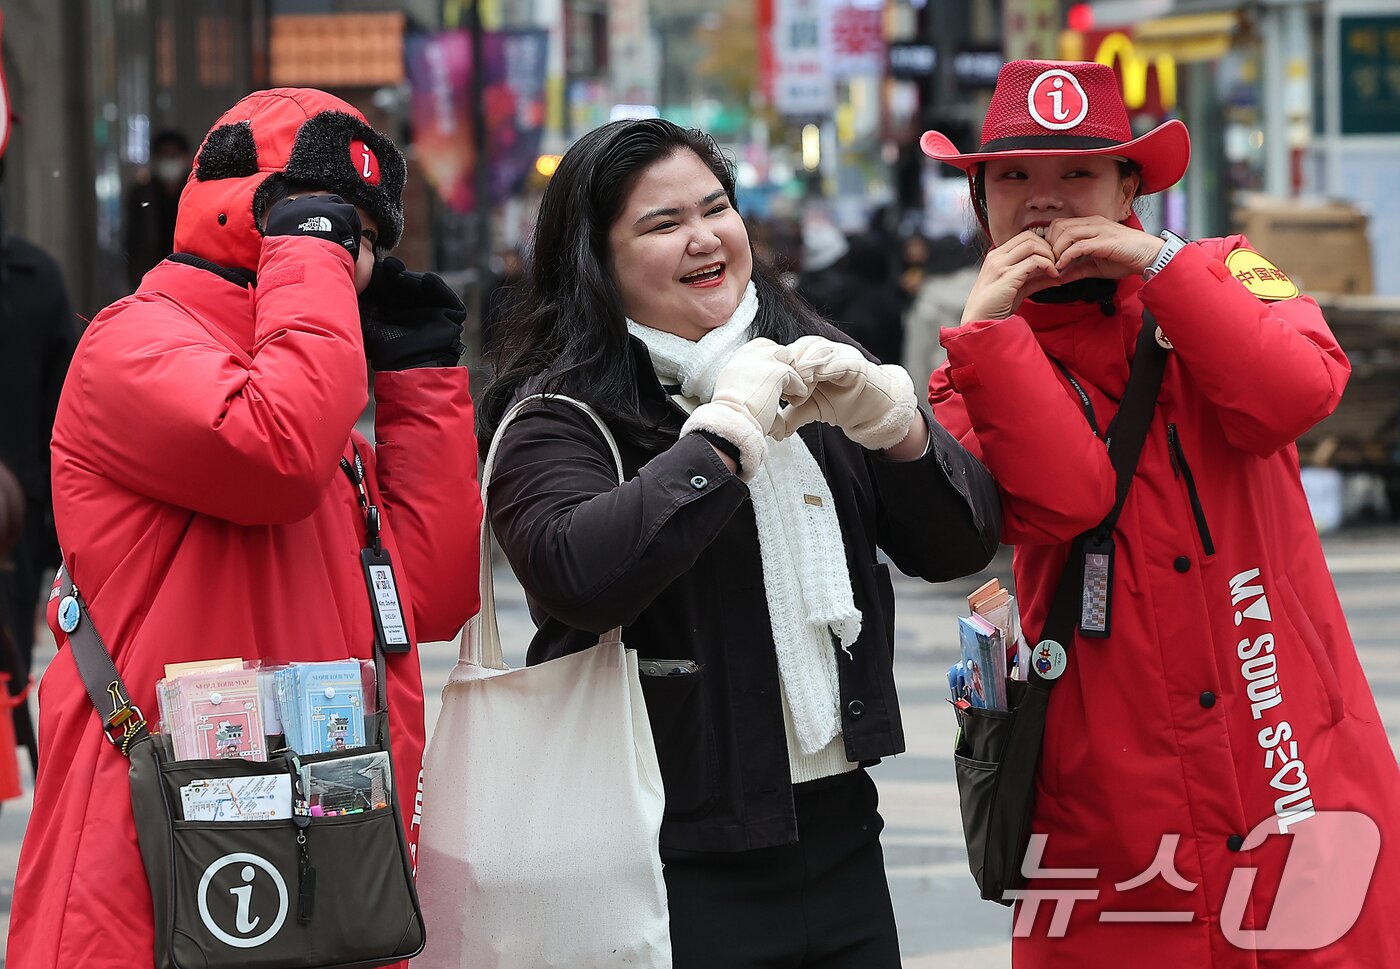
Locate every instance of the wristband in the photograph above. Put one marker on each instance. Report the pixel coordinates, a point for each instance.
(1172, 244)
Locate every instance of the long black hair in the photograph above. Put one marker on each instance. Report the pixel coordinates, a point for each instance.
(566, 332)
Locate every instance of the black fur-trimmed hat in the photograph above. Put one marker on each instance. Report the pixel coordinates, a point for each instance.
(291, 135)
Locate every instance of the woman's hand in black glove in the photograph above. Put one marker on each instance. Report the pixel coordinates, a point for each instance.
(410, 319)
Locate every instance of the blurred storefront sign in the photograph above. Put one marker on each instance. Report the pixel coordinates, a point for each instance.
(630, 53)
(912, 61)
(977, 69)
(439, 69)
(1370, 75)
(801, 40)
(857, 39)
(1030, 28)
(1148, 81)
(336, 50)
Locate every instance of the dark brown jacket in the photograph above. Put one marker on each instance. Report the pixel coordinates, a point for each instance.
(672, 556)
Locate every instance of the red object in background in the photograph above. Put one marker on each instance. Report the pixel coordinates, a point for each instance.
(9, 752)
(6, 117)
(763, 17)
(1080, 17)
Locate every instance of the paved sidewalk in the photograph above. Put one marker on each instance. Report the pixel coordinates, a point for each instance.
(943, 924)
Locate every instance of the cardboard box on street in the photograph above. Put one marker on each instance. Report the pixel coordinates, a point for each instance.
(1323, 246)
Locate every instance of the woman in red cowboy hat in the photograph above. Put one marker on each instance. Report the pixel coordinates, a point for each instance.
(1225, 721)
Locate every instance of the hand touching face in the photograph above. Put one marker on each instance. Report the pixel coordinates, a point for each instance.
(1053, 220)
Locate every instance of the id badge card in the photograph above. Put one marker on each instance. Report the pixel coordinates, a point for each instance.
(1096, 604)
(389, 622)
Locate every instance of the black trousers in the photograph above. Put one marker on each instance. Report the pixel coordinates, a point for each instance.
(822, 903)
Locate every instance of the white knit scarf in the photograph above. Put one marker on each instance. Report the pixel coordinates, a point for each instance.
(799, 537)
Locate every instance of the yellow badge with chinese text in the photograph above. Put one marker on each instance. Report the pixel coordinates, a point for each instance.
(1260, 277)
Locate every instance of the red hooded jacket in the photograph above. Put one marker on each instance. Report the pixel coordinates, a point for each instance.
(1228, 696)
(203, 512)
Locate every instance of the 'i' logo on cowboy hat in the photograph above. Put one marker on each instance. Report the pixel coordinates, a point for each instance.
(366, 165)
(1056, 100)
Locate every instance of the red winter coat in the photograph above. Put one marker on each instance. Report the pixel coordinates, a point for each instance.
(203, 512)
(1229, 694)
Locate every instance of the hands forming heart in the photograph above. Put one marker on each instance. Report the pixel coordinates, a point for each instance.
(873, 404)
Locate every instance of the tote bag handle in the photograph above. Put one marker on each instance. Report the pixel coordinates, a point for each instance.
(481, 643)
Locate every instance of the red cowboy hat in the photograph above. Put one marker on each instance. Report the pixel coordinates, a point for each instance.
(1067, 108)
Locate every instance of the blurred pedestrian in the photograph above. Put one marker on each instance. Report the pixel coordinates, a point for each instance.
(872, 312)
(944, 275)
(822, 281)
(152, 202)
(37, 334)
(199, 492)
(1212, 699)
(741, 563)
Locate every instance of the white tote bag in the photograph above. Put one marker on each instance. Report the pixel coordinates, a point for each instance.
(542, 804)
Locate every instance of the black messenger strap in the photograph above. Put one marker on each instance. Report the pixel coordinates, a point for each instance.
(1126, 436)
(99, 674)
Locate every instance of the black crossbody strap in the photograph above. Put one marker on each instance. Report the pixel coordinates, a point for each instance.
(122, 721)
(1127, 434)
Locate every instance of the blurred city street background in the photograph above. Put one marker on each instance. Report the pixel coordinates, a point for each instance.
(1293, 108)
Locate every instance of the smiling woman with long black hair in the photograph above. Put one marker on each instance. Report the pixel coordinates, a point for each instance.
(739, 555)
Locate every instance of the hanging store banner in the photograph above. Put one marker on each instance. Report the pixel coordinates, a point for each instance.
(513, 99)
(439, 74)
(516, 104)
(802, 83)
(857, 39)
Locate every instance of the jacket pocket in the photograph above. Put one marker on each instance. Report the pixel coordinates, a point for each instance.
(685, 747)
(1303, 626)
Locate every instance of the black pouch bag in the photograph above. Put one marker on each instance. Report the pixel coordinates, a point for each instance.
(996, 757)
(298, 893)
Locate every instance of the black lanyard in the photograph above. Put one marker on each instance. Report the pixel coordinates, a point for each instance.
(356, 473)
(390, 621)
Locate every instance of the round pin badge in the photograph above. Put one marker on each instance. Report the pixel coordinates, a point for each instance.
(68, 614)
(1049, 659)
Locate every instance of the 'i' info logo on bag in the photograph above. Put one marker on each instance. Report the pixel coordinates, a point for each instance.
(242, 900)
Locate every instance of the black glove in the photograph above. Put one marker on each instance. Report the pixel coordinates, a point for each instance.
(326, 217)
(410, 319)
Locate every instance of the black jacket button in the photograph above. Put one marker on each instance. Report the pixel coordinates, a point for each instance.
(699, 482)
(1182, 564)
(856, 709)
(1207, 699)
(1234, 842)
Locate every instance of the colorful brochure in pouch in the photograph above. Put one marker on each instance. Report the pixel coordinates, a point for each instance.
(214, 715)
(348, 785)
(984, 662)
(262, 797)
(322, 706)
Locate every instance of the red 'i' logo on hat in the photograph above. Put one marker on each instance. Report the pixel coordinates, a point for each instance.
(1056, 100)
(366, 165)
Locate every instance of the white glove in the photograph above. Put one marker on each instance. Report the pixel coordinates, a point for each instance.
(744, 408)
(873, 404)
